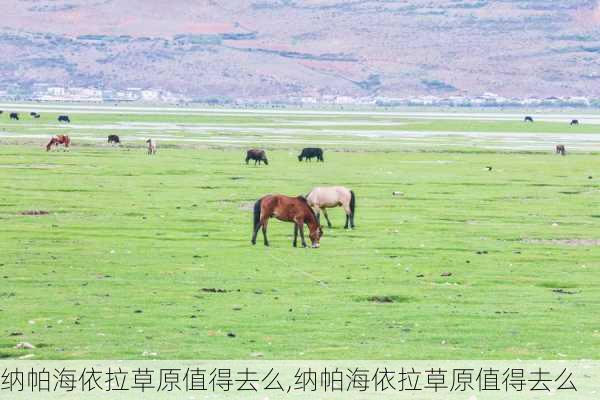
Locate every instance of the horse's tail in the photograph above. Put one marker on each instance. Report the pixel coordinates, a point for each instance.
(352, 202)
(257, 207)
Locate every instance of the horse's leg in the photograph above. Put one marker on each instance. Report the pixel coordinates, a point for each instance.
(300, 227)
(327, 218)
(255, 233)
(295, 235)
(264, 231)
(349, 216)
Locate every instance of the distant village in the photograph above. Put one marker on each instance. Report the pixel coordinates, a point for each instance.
(50, 93)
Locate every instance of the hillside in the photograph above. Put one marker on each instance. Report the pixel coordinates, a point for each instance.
(279, 48)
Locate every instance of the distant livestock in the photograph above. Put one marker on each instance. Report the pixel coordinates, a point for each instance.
(528, 119)
(560, 149)
(151, 146)
(257, 155)
(309, 153)
(14, 115)
(114, 139)
(58, 140)
(574, 122)
(64, 118)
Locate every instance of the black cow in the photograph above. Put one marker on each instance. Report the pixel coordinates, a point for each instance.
(575, 122)
(64, 118)
(528, 119)
(257, 155)
(14, 115)
(114, 139)
(308, 153)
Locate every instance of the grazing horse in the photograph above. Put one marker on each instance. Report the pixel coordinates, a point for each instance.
(64, 118)
(560, 149)
(56, 140)
(309, 153)
(528, 119)
(290, 209)
(257, 155)
(14, 115)
(321, 198)
(151, 146)
(114, 139)
(574, 122)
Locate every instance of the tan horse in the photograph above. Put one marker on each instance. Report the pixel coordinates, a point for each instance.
(322, 198)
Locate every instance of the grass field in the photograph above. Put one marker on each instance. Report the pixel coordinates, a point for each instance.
(150, 257)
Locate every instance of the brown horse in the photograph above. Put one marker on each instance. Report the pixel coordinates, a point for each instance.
(56, 140)
(290, 209)
(560, 149)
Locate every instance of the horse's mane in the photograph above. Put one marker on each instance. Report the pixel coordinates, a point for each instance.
(303, 199)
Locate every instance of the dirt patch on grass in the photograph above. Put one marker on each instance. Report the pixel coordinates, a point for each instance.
(564, 242)
(214, 290)
(563, 291)
(386, 299)
(34, 212)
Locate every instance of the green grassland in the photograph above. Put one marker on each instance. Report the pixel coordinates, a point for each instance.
(125, 263)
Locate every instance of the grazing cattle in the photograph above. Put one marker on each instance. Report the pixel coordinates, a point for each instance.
(57, 140)
(574, 122)
(14, 115)
(309, 153)
(322, 198)
(528, 119)
(36, 116)
(1, 111)
(151, 146)
(257, 155)
(289, 209)
(64, 118)
(114, 139)
(33, 113)
(560, 149)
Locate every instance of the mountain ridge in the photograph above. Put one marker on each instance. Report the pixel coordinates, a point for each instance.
(276, 49)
